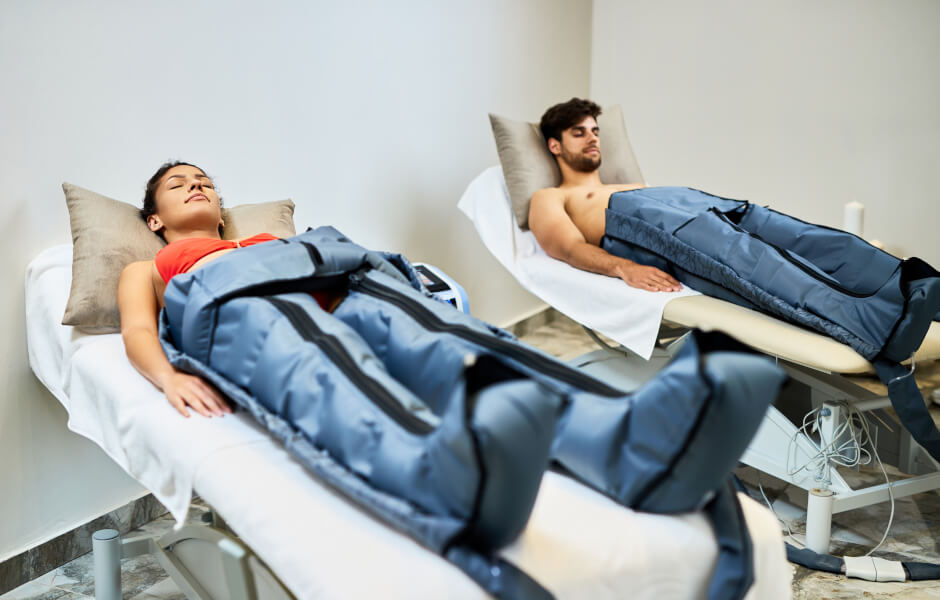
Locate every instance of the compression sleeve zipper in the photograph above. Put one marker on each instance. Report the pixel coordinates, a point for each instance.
(314, 253)
(518, 352)
(339, 355)
(786, 256)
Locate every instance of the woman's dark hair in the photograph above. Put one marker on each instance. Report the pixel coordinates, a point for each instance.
(150, 195)
(567, 114)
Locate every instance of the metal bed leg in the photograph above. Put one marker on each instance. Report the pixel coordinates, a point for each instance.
(238, 576)
(106, 546)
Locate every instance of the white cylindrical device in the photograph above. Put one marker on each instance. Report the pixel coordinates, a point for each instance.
(106, 545)
(853, 218)
(819, 520)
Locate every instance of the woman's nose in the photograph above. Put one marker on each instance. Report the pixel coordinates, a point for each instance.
(195, 184)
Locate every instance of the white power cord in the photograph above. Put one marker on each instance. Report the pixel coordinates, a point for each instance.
(850, 452)
(783, 521)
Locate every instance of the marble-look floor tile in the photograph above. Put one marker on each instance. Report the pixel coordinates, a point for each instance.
(533, 322)
(162, 590)
(67, 546)
(562, 338)
(14, 572)
(140, 575)
(42, 589)
(137, 574)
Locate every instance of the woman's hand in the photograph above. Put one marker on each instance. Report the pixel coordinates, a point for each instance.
(648, 278)
(184, 390)
(137, 301)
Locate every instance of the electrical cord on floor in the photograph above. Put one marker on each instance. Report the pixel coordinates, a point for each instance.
(847, 448)
(783, 521)
(856, 427)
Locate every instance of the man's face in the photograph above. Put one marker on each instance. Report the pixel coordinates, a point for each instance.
(580, 146)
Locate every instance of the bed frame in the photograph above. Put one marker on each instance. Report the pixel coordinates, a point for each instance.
(206, 562)
(825, 384)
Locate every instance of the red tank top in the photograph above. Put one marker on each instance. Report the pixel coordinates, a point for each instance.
(181, 255)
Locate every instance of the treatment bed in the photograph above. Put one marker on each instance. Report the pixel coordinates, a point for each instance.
(309, 542)
(633, 319)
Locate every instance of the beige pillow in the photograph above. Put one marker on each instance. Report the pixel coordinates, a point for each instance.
(528, 166)
(108, 234)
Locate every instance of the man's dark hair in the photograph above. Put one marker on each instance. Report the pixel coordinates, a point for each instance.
(567, 114)
(150, 194)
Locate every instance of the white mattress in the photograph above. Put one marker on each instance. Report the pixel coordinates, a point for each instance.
(578, 543)
(602, 302)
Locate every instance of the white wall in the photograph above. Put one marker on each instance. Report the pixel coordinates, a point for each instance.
(370, 115)
(800, 104)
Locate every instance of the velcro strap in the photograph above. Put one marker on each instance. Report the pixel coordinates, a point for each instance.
(909, 404)
(874, 569)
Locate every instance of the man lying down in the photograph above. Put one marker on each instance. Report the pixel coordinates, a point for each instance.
(434, 421)
(659, 238)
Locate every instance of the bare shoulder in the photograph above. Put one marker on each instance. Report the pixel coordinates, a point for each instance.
(547, 202)
(137, 269)
(550, 222)
(137, 300)
(136, 280)
(548, 195)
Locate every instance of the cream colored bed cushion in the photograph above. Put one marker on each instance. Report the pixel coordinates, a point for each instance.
(528, 166)
(108, 234)
(778, 338)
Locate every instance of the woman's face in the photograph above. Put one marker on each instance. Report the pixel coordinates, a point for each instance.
(186, 201)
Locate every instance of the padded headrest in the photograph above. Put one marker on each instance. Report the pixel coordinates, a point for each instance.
(528, 166)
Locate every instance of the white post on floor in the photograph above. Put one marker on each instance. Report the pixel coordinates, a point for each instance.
(819, 520)
(106, 546)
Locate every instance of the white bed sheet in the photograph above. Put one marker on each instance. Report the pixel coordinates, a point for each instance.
(578, 543)
(486, 203)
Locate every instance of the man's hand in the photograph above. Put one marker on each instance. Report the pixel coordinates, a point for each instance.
(647, 278)
(183, 389)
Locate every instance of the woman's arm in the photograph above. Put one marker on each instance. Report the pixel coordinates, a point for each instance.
(137, 302)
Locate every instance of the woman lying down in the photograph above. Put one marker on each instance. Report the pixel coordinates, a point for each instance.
(390, 395)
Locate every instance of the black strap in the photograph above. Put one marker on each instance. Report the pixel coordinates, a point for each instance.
(918, 571)
(915, 571)
(500, 578)
(813, 560)
(909, 404)
(734, 571)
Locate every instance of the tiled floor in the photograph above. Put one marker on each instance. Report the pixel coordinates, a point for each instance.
(915, 534)
(141, 577)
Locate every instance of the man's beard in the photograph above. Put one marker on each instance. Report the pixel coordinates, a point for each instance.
(581, 162)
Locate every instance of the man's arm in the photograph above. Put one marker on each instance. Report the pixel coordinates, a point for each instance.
(561, 239)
